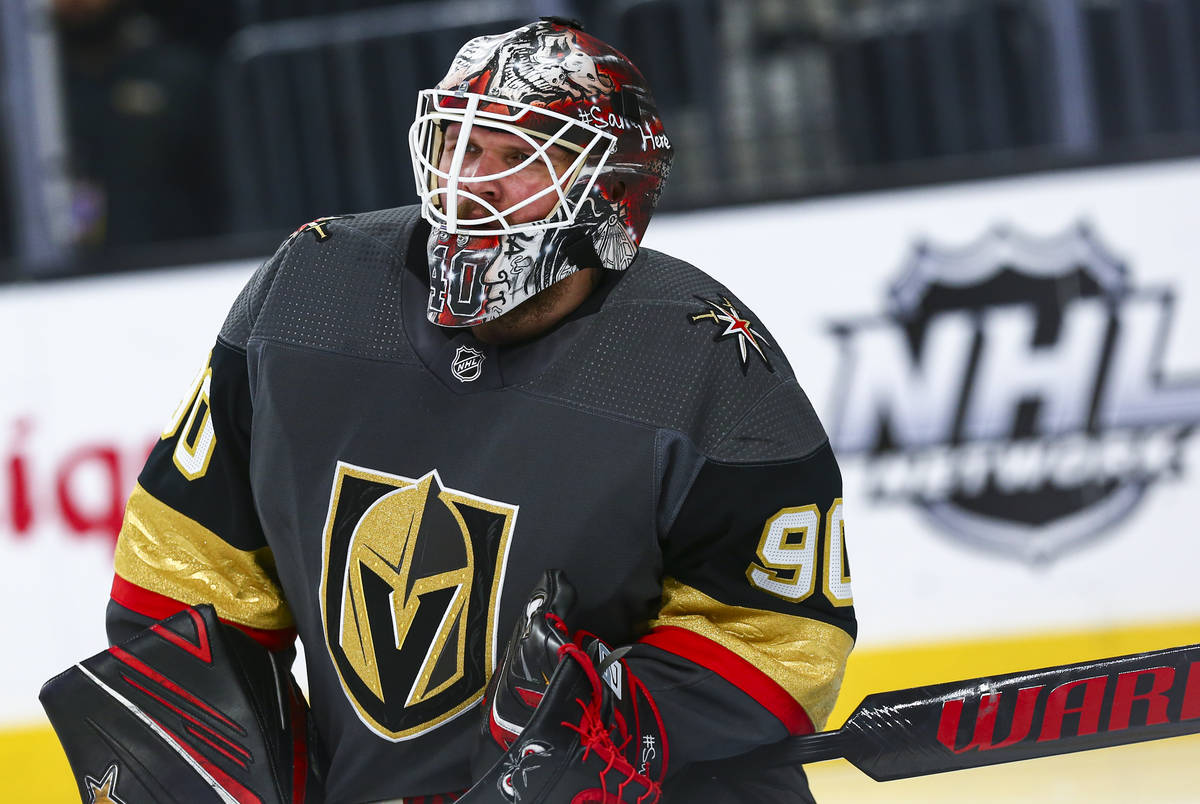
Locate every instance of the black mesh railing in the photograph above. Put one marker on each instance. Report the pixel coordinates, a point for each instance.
(763, 99)
(318, 110)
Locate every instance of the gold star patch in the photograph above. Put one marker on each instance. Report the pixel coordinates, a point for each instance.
(725, 315)
(104, 790)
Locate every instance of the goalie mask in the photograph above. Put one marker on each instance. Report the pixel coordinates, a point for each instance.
(540, 153)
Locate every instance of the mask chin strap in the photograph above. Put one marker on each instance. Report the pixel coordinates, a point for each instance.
(460, 150)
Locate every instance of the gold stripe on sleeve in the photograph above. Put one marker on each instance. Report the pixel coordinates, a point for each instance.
(804, 656)
(162, 550)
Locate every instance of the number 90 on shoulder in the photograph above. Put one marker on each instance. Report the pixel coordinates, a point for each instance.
(789, 558)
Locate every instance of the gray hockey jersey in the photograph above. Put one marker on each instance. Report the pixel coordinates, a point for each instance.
(390, 490)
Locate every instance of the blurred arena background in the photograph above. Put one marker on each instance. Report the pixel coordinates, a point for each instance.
(972, 225)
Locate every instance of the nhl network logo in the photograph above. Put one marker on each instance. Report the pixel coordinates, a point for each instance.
(467, 364)
(1014, 390)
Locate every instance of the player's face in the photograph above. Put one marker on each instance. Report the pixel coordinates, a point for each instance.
(490, 152)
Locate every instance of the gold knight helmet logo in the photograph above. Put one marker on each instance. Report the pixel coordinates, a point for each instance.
(409, 590)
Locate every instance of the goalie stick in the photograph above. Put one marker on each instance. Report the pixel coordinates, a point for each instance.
(994, 719)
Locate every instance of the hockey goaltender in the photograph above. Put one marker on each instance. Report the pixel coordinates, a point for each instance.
(549, 513)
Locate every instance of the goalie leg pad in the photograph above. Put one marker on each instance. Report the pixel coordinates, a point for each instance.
(189, 710)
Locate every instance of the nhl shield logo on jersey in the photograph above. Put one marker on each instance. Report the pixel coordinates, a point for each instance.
(467, 364)
(408, 592)
(734, 325)
(1014, 391)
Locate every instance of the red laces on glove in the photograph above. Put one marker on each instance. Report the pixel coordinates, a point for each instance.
(595, 737)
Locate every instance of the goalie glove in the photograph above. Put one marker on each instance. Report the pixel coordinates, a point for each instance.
(593, 734)
(516, 688)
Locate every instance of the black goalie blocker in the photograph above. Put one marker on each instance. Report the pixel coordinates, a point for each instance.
(576, 724)
(189, 710)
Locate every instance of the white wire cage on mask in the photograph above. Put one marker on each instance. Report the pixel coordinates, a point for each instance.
(445, 189)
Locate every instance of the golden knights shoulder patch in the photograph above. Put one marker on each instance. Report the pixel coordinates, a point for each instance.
(734, 325)
(409, 588)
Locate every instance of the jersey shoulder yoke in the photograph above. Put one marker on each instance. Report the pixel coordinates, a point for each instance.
(334, 284)
(675, 349)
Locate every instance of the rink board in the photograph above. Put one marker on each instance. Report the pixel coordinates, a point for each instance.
(1162, 772)
(955, 535)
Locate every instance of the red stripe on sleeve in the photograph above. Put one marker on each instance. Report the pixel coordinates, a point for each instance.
(734, 669)
(159, 607)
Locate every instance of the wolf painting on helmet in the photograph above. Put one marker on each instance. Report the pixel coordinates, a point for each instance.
(507, 382)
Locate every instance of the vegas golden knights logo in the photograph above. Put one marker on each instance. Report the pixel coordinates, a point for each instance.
(409, 589)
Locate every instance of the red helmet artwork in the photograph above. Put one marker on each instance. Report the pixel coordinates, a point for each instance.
(577, 125)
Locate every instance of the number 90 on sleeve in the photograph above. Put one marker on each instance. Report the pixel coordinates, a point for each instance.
(788, 556)
(196, 444)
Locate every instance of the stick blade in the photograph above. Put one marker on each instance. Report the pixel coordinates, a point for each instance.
(1006, 718)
